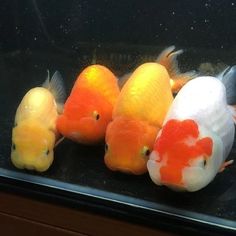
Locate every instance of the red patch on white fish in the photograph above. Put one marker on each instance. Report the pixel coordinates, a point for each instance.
(178, 144)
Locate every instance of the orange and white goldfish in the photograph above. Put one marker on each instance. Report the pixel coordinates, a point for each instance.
(139, 113)
(196, 137)
(34, 133)
(88, 109)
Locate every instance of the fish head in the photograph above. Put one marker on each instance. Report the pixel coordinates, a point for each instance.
(85, 117)
(32, 145)
(128, 145)
(186, 156)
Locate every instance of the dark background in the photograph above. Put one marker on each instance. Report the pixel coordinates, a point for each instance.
(41, 24)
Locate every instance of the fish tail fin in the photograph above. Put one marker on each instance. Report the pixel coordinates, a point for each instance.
(56, 86)
(168, 58)
(228, 78)
(232, 109)
(221, 75)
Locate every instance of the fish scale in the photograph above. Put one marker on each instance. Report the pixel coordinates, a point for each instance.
(148, 89)
(105, 85)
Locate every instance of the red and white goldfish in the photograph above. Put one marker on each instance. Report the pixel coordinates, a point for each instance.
(88, 109)
(196, 137)
(34, 133)
(139, 113)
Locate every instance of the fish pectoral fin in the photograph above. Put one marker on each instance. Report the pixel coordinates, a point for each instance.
(59, 141)
(225, 165)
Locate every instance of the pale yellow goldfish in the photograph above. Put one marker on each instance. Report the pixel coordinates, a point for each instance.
(34, 133)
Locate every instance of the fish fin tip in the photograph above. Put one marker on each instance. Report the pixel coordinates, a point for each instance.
(56, 86)
(232, 109)
(225, 165)
(60, 108)
(59, 141)
(221, 75)
(228, 78)
(46, 83)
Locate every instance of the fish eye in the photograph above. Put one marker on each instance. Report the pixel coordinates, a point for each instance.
(204, 162)
(13, 146)
(15, 124)
(96, 115)
(106, 147)
(47, 152)
(146, 151)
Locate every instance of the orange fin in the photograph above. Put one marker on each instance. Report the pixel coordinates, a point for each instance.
(179, 80)
(225, 165)
(168, 58)
(232, 109)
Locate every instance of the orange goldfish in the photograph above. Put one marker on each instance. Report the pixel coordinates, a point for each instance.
(88, 109)
(140, 111)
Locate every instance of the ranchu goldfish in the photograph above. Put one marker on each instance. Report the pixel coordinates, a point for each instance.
(196, 138)
(34, 133)
(88, 109)
(139, 113)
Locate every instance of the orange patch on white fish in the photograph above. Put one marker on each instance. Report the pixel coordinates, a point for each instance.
(177, 146)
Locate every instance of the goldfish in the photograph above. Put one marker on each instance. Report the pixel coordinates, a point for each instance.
(196, 137)
(139, 113)
(34, 133)
(88, 109)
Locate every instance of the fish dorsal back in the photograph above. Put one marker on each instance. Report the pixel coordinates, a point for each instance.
(99, 79)
(38, 104)
(146, 95)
